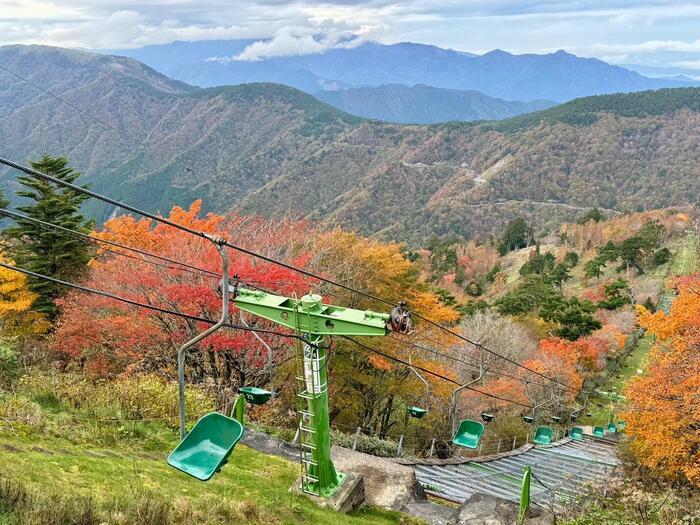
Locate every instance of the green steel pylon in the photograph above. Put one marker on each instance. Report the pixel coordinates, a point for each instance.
(316, 320)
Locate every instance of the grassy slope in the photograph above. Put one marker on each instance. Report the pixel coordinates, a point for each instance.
(685, 261)
(126, 481)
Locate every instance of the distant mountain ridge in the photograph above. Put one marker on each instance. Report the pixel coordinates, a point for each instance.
(274, 150)
(421, 104)
(558, 76)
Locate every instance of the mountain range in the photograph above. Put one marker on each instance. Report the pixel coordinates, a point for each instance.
(558, 76)
(421, 104)
(271, 149)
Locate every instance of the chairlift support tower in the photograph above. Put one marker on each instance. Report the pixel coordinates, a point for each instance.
(316, 321)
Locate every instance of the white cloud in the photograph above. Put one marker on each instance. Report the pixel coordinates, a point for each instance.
(688, 64)
(652, 46)
(609, 29)
(300, 40)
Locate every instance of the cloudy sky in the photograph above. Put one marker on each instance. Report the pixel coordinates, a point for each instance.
(657, 33)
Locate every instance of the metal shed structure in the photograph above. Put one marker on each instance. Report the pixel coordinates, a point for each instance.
(559, 472)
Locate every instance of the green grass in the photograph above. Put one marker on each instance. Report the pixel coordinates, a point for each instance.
(685, 261)
(252, 487)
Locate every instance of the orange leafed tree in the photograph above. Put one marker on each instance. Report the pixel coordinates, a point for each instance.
(384, 386)
(663, 412)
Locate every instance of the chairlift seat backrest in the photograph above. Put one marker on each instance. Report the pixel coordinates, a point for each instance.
(576, 433)
(469, 434)
(417, 412)
(255, 395)
(543, 436)
(207, 446)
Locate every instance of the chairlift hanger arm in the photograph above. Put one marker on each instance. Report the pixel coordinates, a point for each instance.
(425, 382)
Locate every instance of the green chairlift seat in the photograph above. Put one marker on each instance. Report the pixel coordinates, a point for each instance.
(255, 395)
(599, 432)
(576, 433)
(612, 428)
(417, 412)
(469, 434)
(543, 436)
(207, 446)
(487, 416)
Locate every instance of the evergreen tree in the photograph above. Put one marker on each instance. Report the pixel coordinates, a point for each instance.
(518, 234)
(593, 214)
(46, 250)
(617, 294)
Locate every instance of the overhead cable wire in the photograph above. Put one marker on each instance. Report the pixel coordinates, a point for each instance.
(473, 363)
(227, 325)
(149, 306)
(431, 372)
(163, 220)
(44, 90)
(90, 238)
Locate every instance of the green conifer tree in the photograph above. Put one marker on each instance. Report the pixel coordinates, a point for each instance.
(46, 250)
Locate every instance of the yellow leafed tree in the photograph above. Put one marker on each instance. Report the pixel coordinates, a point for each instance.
(15, 301)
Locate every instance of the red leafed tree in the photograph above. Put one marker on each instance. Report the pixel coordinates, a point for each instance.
(109, 337)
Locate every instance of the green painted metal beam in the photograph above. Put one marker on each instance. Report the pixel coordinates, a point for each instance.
(309, 315)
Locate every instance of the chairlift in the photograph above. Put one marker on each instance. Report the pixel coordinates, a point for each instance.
(576, 433)
(205, 449)
(543, 436)
(599, 432)
(416, 411)
(535, 405)
(255, 395)
(469, 432)
(487, 416)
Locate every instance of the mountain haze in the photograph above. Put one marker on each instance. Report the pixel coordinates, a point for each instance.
(424, 104)
(274, 150)
(558, 76)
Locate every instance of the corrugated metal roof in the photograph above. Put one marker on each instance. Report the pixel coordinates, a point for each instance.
(560, 472)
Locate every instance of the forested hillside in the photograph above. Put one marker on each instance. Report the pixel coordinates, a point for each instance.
(425, 105)
(274, 150)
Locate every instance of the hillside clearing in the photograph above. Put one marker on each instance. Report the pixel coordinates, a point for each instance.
(122, 482)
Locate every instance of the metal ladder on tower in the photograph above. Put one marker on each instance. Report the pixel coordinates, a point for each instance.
(308, 389)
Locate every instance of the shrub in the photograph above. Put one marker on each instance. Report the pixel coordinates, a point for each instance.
(661, 257)
(10, 367)
(132, 398)
(16, 409)
(385, 448)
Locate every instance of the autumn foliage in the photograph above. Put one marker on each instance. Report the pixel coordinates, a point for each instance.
(663, 413)
(16, 300)
(109, 337)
